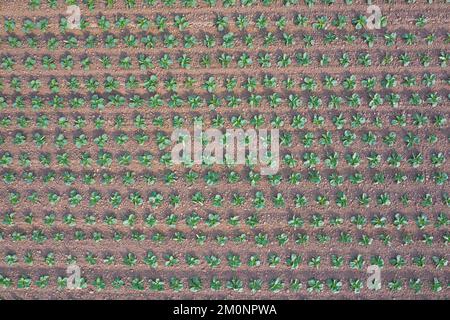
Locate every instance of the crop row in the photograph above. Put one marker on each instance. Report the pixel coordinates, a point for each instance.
(223, 23)
(213, 84)
(257, 240)
(230, 40)
(228, 61)
(155, 198)
(161, 22)
(211, 178)
(307, 159)
(260, 240)
(301, 121)
(233, 260)
(306, 139)
(197, 4)
(235, 284)
(230, 101)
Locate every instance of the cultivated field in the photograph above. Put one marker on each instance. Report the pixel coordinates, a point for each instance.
(86, 174)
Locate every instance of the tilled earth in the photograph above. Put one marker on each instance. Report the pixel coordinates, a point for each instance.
(86, 175)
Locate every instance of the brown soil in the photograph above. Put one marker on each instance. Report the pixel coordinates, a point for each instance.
(273, 221)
